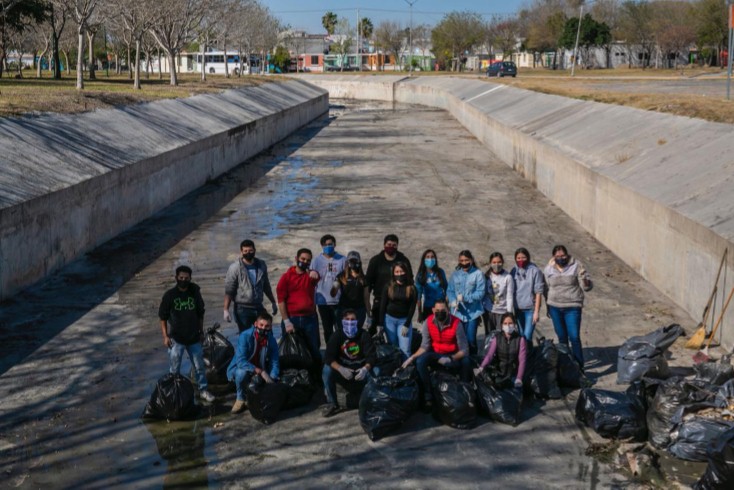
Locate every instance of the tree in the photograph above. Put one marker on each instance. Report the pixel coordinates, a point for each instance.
(635, 28)
(366, 28)
(390, 36)
(591, 33)
(672, 28)
(541, 26)
(710, 17)
(455, 35)
(137, 17)
(329, 21)
(82, 10)
(344, 35)
(282, 58)
(422, 39)
(15, 18)
(505, 34)
(176, 27)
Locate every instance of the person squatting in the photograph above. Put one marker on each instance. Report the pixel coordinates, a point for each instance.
(355, 306)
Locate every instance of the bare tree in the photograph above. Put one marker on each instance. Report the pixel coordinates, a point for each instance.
(672, 29)
(137, 17)
(82, 11)
(344, 37)
(176, 27)
(390, 36)
(422, 39)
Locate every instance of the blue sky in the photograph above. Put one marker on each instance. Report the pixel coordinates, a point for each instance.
(306, 14)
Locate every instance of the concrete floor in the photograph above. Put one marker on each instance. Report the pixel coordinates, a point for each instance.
(82, 351)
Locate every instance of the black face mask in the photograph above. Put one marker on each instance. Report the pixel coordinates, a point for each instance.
(399, 278)
(248, 256)
(442, 315)
(261, 332)
(354, 266)
(182, 284)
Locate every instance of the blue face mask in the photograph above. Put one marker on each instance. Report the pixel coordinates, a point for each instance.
(350, 327)
(430, 263)
(329, 249)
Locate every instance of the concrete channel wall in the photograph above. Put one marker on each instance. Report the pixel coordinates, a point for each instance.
(656, 189)
(70, 182)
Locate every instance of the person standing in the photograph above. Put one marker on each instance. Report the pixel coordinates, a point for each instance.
(379, 271)
(256, 354)
(351, 286)
(500, 293)
(465, 292)
(296, 292)
(508, 350)
(181, 315)
(529, 285)
(430, 283)
(329, 264)
(397, 307)
(567, 280)
(245, 284)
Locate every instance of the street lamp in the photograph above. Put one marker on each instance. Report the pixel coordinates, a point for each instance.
(410, 34)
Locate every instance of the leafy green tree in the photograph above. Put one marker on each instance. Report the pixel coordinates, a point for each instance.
(455, 35)
(592, 33)
(711, 26)
(15, 18)
(329, 21)
(282, 58)
(366, 28)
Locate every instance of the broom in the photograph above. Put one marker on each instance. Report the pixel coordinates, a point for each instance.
(703, 355)
(696, 340)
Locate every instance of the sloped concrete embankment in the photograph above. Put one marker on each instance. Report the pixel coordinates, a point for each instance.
(656, 189)
(70, 182)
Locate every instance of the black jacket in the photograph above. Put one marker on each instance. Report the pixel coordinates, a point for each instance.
(183, 310)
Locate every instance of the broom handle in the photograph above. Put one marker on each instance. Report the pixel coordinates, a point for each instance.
(721, 317)
(716, 284)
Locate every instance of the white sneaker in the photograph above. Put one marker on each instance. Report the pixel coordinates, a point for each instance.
(206, 396)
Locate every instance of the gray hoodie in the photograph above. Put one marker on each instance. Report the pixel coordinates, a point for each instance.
(566, 287)
(238, 287)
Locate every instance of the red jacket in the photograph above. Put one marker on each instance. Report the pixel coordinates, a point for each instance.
(443, 341)
(297, 292)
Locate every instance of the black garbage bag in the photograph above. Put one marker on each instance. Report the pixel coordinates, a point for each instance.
(386, 403)
(725, 395)
(172, 399)
(719, 474)
(542, 366)
(612, 414)
(389, 357)
(502, 404)
(672, 394)
(415, 341)
(693, 432)
(218, 353)
(300, 387)
(265, 400)
(293, 352)
(569, 373)
(454, 403)
(644, 355)
(715, 373)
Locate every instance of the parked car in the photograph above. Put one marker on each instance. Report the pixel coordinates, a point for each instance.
(339, 68)
(502, 69)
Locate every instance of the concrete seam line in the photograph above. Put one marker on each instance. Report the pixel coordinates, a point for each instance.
(485, 93)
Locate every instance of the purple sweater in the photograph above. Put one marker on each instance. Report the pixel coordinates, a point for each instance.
(522, 354)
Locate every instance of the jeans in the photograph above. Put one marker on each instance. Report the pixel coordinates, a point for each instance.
(567, 324)
(525, 324)
(361, 316)
(328, 320)
(331, 376)
(308, 326)
(430, 359)
(393, 327)
(470, 328)
(241, 379)
(245, 316)
(196, 355)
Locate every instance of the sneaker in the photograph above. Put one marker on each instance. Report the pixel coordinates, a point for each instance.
(206, 396)
(238, 406)
(330, 410)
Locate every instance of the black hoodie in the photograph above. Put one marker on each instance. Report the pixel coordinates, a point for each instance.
(183, 310)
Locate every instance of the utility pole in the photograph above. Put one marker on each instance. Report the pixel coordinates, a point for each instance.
(359, 41)
(578, 32)
(730, 8)
(410, 35)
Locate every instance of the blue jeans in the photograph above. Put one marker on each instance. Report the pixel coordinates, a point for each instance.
(567, 323)
(393, 326)
(525, 324)
(241, 379)
(196, 355)
(470, 329)
(331, 376)
(245, 316)
(430, 359)
(308, 326)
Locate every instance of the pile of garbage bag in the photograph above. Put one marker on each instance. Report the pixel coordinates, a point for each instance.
(612, 414)
(265, 400)
(454, 400)
(172, 399)
(502, 403)
(719, 474)
(644, 355)
(293, 352)
(218, 353)
(300, 388)
(389, 357)
(387, 402)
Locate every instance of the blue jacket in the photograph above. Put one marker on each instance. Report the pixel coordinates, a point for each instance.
(432, 290)
(471, 285)
(245, 350)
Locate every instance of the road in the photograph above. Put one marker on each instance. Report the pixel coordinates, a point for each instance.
(81, 352)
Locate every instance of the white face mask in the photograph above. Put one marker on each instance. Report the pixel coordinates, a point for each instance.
(508, 328)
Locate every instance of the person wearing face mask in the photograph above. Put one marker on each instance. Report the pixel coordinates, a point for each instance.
(246, 284)
(296, 293)
(349, 360)
(444, 346)
(379, 272)
(351, 288)
(508, 350)
(498, 299)
(430, 283)
(329, 264)
(256, 353)
(465, 292)
(181, 315)
(529, 285)
(566, 280)
(397, 307)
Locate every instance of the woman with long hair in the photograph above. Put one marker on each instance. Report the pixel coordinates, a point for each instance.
(397, 306)
(465, 292)
(529, 285)
(430, 284)
(355, 295)
(500, 293)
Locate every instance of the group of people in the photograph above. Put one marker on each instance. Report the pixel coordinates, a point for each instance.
(354, 305)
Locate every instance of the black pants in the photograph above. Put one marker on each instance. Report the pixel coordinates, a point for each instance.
(327, 313)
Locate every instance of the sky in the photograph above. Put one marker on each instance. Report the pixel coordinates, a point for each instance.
(306, 14)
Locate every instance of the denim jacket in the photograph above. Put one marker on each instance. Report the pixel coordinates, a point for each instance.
(471, 285)
(245, 350)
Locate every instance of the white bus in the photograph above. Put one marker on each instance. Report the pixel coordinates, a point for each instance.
(215, 62)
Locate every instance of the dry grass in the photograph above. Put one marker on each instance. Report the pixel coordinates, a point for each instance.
(31, 95)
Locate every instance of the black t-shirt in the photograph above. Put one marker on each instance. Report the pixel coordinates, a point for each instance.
(401, 305)
(379, 271)
(183, 310)
(351, 353)
(352, 293)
